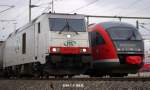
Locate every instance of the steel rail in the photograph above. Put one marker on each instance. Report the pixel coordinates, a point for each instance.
(86, 79)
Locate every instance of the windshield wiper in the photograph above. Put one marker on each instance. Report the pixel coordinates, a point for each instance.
(73, 30)
(131, 35)
(68, 28)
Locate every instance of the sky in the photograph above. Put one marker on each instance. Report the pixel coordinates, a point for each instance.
(19, 12)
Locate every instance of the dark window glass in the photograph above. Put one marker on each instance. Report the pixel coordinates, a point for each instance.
(24, 43)
(92, 38)
(99, 39)
(123, 33)
(39, 27)
(61, 24)
(96, 39)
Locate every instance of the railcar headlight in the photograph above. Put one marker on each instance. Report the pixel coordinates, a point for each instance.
(139, 49)
(131, 49)
(118, 49)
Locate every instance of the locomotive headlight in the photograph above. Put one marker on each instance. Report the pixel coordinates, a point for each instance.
(54, 49)
(68, 36)
(84, 50)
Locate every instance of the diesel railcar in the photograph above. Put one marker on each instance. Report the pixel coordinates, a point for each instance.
(52, 44)
(117, 49)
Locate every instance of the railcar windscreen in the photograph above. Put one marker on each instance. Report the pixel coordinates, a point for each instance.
(61, 24)
(124, 33)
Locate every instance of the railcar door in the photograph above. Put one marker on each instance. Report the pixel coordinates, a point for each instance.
(97, 42)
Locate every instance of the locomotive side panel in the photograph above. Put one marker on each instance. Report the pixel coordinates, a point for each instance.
(20, 47)
(41, 38)
(10, 53)
(27, 45)
(1, 53)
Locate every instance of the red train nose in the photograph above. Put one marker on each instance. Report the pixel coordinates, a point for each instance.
(133, 59)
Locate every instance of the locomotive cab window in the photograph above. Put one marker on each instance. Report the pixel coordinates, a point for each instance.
(63, 24)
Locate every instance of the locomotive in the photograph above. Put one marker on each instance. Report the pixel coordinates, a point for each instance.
(53, 44)
(117, 49)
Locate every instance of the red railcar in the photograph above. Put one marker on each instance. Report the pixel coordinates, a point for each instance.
(117, 49)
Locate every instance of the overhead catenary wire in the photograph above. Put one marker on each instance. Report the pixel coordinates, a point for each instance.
(50, 6)
(5, 5)
(142, 26)
(131, 5)
(140, 9)
(121, 7)
(84, 6)
(7, 9)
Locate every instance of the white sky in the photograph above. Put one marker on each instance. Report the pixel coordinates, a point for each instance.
(98, 7)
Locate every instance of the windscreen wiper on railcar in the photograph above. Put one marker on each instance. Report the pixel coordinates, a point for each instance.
(132, 35)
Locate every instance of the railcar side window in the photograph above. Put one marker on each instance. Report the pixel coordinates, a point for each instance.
(96, 39)
(99, 39)
(24, 43)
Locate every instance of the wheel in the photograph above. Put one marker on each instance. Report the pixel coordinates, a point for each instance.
(118, 75)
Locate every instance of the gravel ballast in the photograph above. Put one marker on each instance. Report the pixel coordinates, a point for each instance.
(73, 85)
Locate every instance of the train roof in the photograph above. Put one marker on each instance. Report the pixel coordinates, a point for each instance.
(110, 24)
(38, 17)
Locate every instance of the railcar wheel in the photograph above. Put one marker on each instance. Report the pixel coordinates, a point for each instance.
(118, 75)
(59, 76)
(70, 76)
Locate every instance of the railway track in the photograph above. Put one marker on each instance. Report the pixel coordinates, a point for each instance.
(105, 83)
(86, 79)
